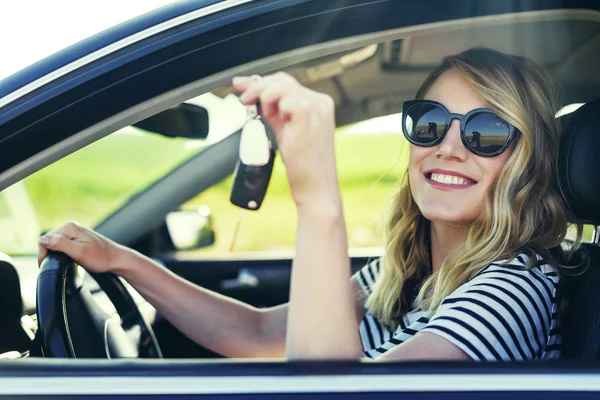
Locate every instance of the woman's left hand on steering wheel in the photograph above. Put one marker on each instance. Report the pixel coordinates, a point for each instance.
(87, 248)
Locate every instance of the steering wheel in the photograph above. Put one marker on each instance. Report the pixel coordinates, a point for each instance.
(73, 325)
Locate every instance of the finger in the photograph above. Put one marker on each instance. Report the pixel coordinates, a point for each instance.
(240, 83)
(272, 95)
(294, 106)
(42, 253)
(71, 229)
(63, 244)
(256, 87)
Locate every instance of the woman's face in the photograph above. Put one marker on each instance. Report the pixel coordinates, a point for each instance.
(462, 202)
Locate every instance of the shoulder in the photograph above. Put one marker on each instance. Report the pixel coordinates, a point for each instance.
(518, 285)
(504, 312)
(520, 273)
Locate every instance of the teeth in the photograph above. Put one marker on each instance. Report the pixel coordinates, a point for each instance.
(449, 179)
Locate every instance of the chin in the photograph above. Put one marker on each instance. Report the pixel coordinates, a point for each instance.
(444, 216)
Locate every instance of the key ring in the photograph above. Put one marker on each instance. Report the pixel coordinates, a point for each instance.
(251, 113)
(252, 109)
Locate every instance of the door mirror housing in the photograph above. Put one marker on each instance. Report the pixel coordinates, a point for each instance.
(191, 230)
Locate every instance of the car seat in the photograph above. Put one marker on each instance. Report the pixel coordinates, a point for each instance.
(12, 335)
(579, 179)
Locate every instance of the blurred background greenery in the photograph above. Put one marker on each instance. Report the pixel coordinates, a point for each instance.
(369, 169)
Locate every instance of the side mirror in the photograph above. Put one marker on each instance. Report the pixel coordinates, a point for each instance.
(191, 230)
(182, 121)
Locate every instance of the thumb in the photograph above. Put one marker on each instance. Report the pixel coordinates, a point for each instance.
(42, 253)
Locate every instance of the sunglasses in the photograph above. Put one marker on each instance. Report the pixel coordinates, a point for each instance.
(426, 122)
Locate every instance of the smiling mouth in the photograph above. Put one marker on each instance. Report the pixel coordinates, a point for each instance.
(449, 179)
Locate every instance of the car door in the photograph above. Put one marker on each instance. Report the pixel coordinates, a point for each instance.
(113, 91)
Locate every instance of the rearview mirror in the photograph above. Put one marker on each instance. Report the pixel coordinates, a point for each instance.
(182, 121)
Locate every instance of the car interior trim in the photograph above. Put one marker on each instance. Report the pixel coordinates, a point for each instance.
(281, 60)
(173, 385)
(121, 44)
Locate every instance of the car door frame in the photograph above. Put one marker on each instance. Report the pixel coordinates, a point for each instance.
(34, 132)
(291, 380)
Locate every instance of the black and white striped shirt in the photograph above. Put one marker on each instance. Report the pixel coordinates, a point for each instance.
(506, 312)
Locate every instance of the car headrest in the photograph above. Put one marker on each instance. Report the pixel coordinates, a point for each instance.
(579, 163)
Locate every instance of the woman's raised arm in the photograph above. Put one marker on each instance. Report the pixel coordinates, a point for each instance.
(322, 319)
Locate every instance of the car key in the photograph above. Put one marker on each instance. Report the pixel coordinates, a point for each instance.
(255, 163)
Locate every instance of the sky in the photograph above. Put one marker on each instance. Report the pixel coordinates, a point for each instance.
(33, 29)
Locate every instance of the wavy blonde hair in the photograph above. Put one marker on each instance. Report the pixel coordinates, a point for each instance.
(524, 210)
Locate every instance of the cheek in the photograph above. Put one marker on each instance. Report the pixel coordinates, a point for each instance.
(493, 166)
(416, 157)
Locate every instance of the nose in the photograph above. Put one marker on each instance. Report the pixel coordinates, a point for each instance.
(452, 146)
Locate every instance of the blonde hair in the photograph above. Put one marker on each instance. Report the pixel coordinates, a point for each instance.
(524, 210)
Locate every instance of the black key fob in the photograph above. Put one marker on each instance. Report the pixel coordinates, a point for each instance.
(254, 167)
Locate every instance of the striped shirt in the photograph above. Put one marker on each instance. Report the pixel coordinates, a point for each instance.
(506, 312)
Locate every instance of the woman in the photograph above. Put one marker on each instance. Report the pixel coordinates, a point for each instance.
(469, 270)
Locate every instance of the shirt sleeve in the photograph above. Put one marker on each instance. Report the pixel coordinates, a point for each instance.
(504, 313)
(367, 275)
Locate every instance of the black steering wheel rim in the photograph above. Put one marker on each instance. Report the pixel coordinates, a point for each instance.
(59, 286)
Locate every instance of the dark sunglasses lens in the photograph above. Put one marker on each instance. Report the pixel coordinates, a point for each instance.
(486, 133)
(424, 123)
